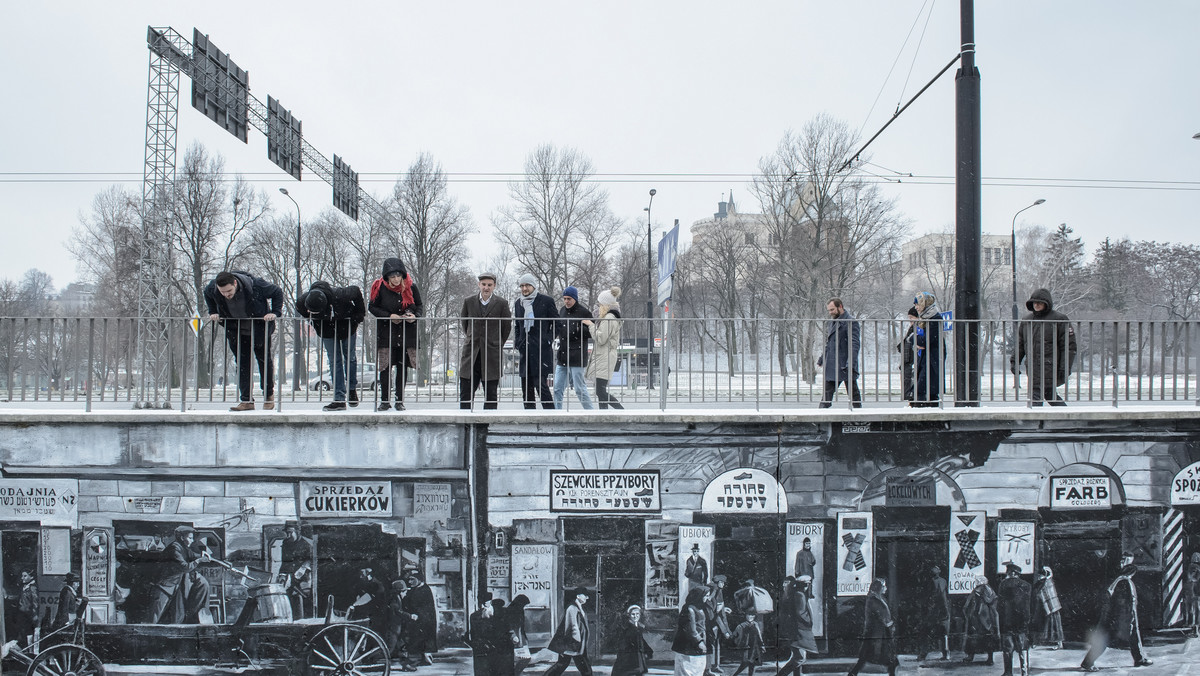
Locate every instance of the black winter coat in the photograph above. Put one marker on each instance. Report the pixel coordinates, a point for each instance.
(262, 297)
(535, 344)
(879, 637)
(344, 313)
(1047, 339)
(843, 340)
(398, 336)
(573, 336)
(1015, 595)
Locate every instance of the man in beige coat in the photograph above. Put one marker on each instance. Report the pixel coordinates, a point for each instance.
(486, 323)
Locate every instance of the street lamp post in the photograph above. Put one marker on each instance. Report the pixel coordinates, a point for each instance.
(297, 360)
(649, 299)
(1014, 256)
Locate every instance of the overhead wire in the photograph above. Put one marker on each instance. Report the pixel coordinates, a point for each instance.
(895, 61)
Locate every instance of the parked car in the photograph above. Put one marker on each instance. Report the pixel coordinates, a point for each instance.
(366, 379)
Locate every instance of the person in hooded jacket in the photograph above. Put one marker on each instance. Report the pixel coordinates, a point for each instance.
(928, 346)
(572, 353)
(247, 306)
(534, 317)
(335, 314)
(606, 344)
(1046, 338)
(396, 301)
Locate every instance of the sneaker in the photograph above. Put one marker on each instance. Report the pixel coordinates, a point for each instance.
(244, 406)
(383, 406)
(269, 404)
(353, 398)
(334, 406)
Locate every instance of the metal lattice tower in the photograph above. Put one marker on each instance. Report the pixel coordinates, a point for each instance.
(158, 184)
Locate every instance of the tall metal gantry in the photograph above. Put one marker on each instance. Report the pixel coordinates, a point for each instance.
(221, 89)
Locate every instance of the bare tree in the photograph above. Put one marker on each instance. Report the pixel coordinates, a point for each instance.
(106, 246)
(559, 221)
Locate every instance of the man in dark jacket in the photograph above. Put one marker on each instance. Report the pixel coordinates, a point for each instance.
(1047, 339)
(843, 340)
(486, 324)
(1015, 594)
(422, 629)
(247, 306)
(572, 353)
(335, 314)
(534, 317)
(181, 592)
(1119, 620)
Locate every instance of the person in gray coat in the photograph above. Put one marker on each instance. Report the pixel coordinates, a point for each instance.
(843, 340)
(486, 323)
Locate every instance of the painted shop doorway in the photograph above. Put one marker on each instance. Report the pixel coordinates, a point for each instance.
(750, 547)
(19, 550)
(909, 541)
(1084, 551)
(606, 556)
(345, 549)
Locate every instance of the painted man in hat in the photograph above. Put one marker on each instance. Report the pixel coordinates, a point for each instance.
(68, 601)
(695, 569)
(181, 591)
(295, 568)
(1015, 594)
(486, 324)
(570, 639)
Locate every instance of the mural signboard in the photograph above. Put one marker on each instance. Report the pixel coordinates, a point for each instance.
(695, 556)
(56, 551)
(806, 556)
(744, 491)
(431, 502)
(336, 498)
(1014, 544)
(52, 502)
(622, 491)
(533, 573)
(1185, 488)
(966, 550)
(911, 491)
(856, 547)
(1080, 492)
(97, 563)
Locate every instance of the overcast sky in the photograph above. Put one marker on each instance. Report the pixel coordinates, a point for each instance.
(1090, 104)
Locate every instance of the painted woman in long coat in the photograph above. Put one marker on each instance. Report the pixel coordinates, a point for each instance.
(879, 631)
(689, 645)
(633, 653)
(1049, 609)
(982, 615)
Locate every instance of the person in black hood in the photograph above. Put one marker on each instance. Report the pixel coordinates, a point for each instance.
(252, 304)
(396, 301)
(1047, 338)
(335, 313)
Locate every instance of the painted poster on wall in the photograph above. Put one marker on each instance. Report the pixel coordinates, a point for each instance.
(856, 553)
(695, 556)
(966, 550)
(806, 556)
(533, 573)
(662, 556)
(1014, 543)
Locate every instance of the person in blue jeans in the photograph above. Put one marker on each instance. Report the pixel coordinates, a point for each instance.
(572, 354)
(335, 314)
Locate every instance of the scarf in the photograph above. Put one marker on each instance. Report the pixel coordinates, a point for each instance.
(527, 302)
(404, 288)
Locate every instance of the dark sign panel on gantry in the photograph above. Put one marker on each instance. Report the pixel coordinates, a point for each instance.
(284, 138)
(220, 89)
(345, 188)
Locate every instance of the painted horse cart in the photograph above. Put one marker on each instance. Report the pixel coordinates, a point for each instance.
(264, 639)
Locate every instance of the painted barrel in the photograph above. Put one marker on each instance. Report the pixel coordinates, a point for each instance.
(273, 603)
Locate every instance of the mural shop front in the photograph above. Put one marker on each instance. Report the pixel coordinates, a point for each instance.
(642, 515)
(231, 564)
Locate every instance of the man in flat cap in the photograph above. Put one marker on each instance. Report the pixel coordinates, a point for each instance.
(486, 324)
(181, 591)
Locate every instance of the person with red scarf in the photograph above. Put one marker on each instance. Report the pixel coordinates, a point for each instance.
(396, 301)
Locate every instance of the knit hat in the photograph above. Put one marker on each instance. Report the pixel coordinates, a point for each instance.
(527, 279)
(572, 292)
(610, 297)
(316, 301)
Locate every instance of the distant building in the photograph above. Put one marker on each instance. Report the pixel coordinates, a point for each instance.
(929, 261)
(75, 300)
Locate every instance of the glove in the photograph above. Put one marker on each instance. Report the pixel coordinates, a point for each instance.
(920, 332)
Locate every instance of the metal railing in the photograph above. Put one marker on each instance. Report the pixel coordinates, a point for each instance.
(701, 363)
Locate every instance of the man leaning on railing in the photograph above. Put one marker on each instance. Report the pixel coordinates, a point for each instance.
(247, 306)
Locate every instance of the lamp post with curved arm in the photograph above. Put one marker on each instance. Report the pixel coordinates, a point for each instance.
(297, 358)
(1014, 255)
(649, 299)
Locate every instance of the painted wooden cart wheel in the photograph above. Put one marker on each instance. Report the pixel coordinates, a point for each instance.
(66, 660)
(348, 650)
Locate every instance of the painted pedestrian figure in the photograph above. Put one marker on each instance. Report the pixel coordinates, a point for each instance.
(295, 568)
(422, 630)
(1192, 593)
(1118, 625)
(935, 620)
(1014, 597)
(689, 645)
(181, 592)
(749, 639)
(1048, 609)
(633, 653)
(796, 624)
(570, 639)
(982, 617)
(879, 631)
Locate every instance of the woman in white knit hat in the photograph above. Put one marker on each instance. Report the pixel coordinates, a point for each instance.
(606, 341)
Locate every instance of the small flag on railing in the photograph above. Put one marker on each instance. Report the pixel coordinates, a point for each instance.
(947, 320)
(195, 322)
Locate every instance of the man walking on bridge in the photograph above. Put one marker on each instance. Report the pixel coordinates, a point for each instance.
(842, 343)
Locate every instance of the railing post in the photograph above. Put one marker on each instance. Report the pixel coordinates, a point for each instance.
(281, 370)
(91, 364)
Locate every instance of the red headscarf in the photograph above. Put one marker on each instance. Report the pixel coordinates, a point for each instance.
(404, 288)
